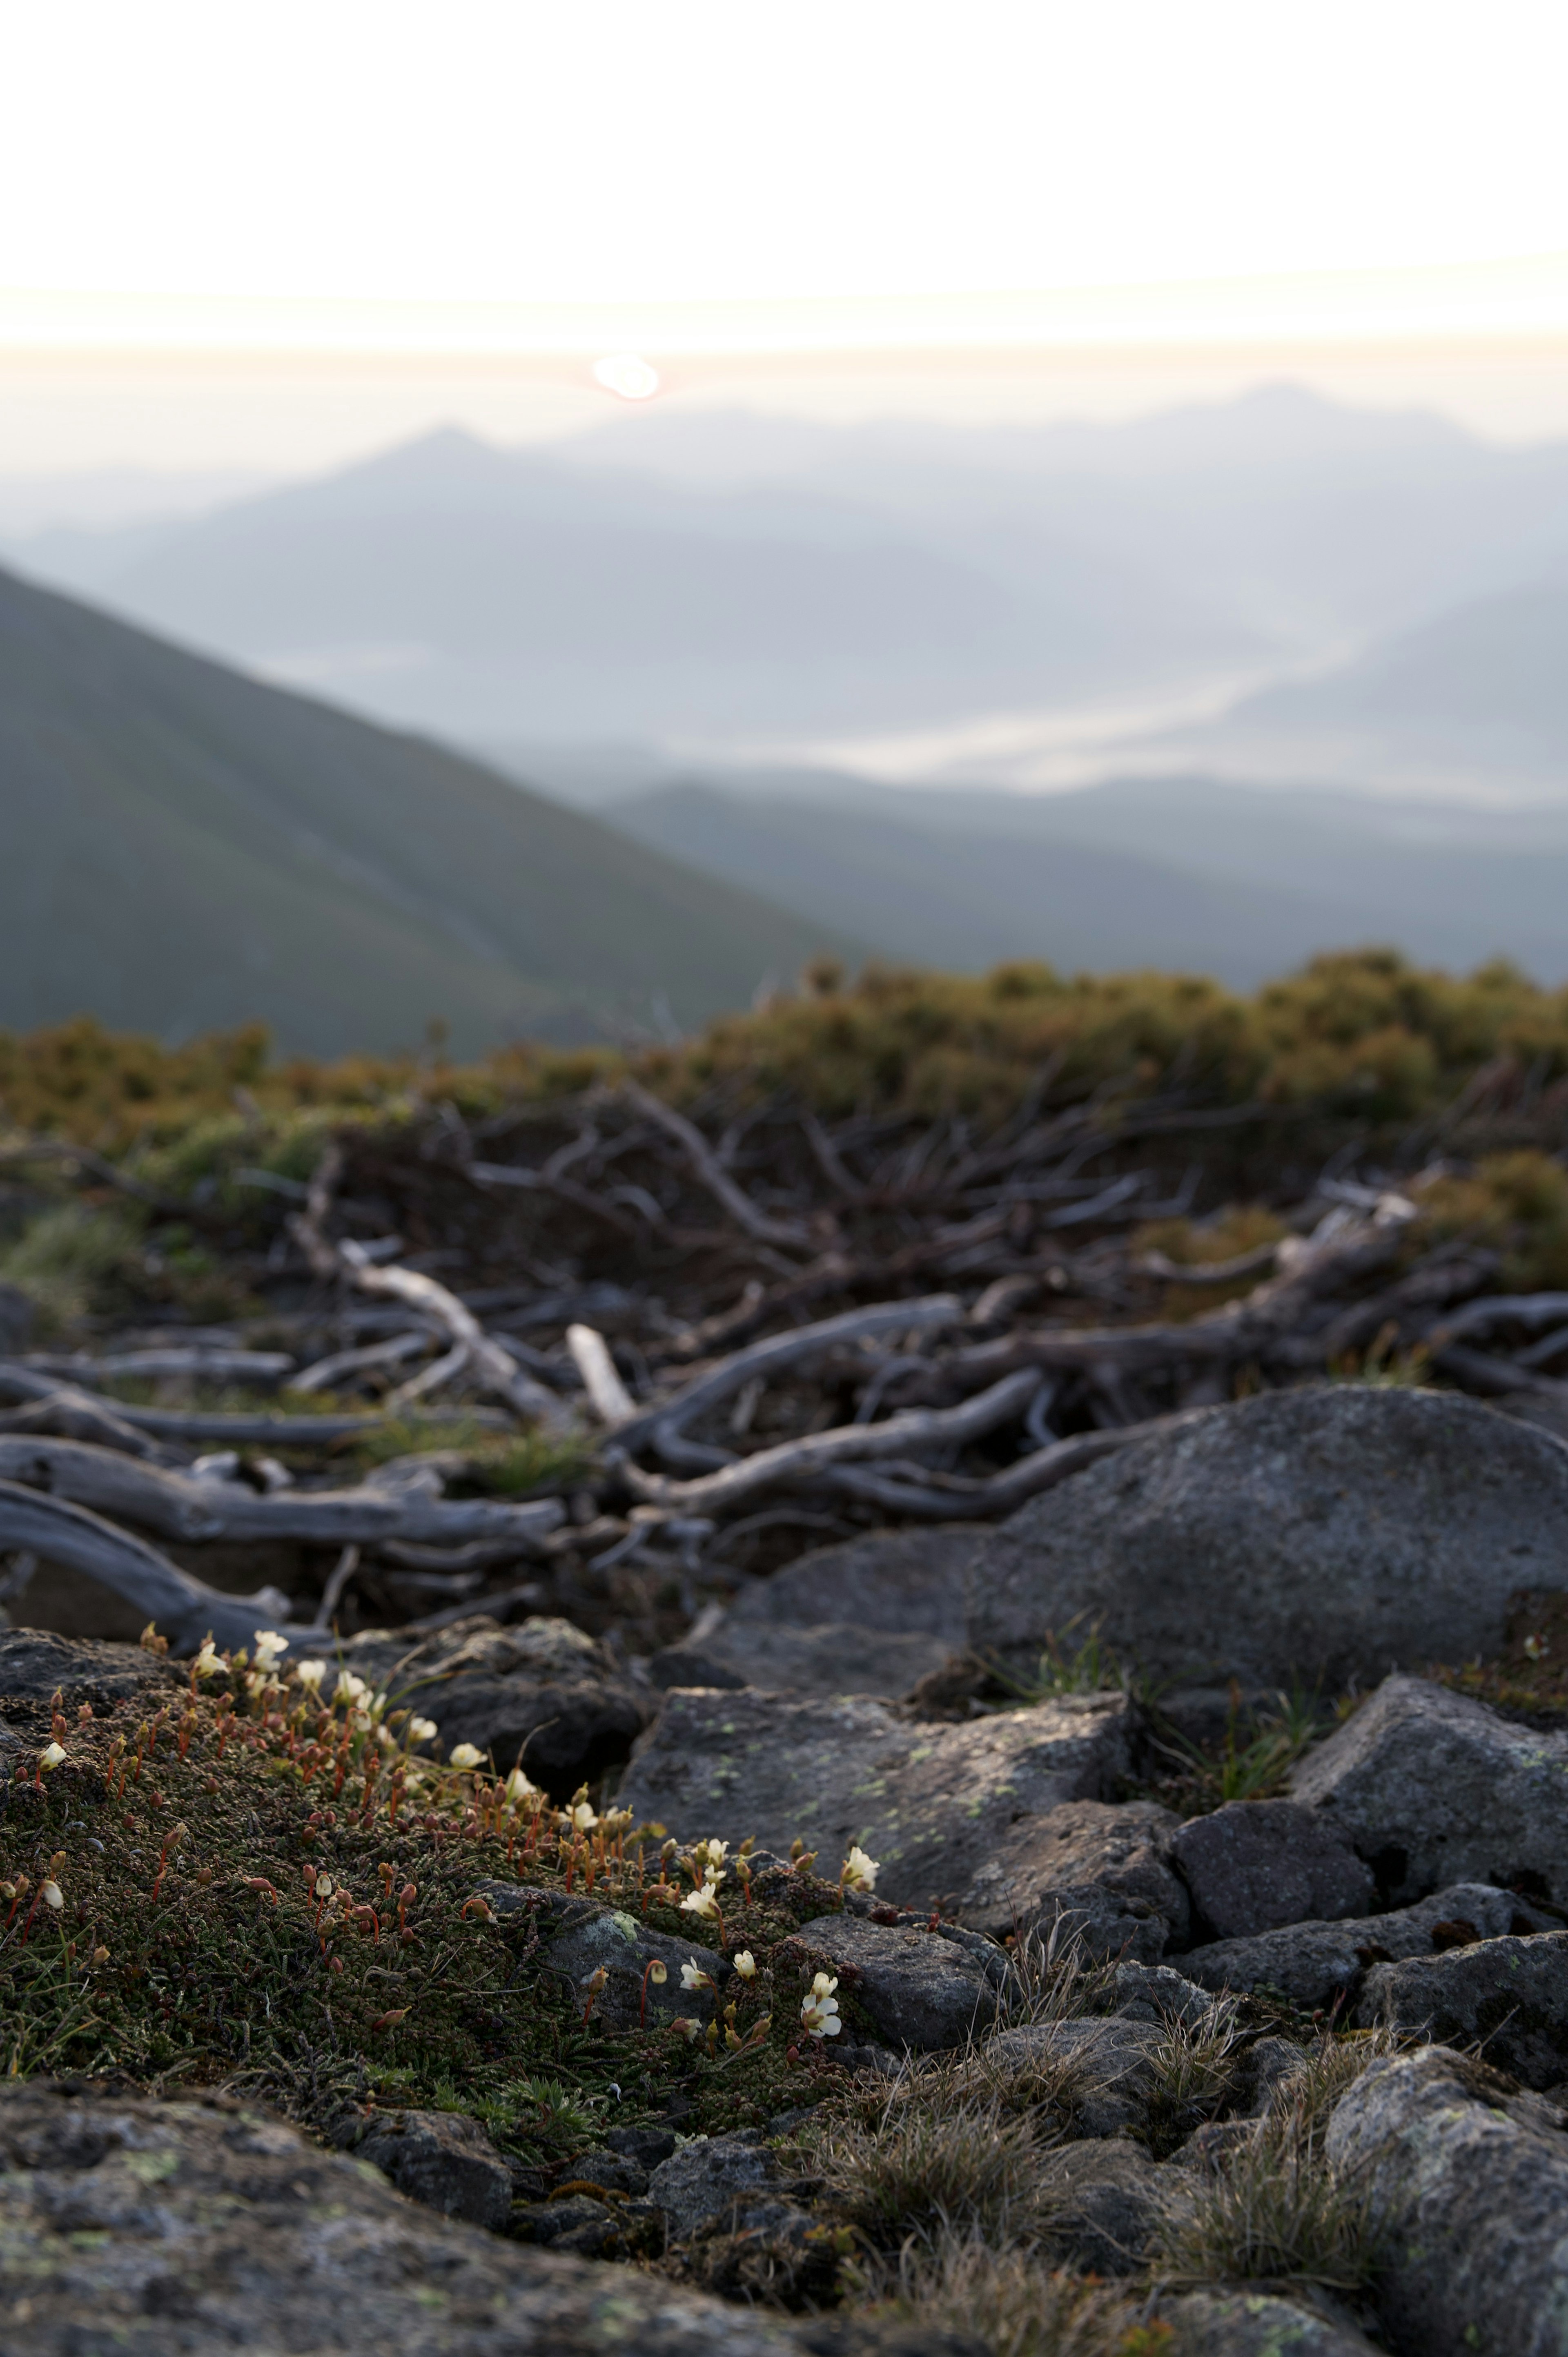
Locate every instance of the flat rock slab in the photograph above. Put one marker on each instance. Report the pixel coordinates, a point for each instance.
(1469, 2198)
(1255, 1865)
(1313, 1963)
(903, 1582)
(929, 1802)
(442, 2159)
(1255, 2324)
(1432, 1787)
(175, 2229)
(1104, 1866)
(543, 1693)
(1507, 1998)
(1323, 1535)
(922, 1989)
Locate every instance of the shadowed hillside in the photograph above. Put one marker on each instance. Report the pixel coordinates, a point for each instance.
(185, 847)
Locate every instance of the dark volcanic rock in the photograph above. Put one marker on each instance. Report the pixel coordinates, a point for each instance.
(929, 1802)
(543, 1693)
(922, 1989)
(1255, 2324)
(1104, 1866)
(1432, 1787)
(1320, 1535)
(1469, 2199)
(34, 1662)
(1255, 1865)
(824, 1658)
(1506, 1997)
(699, 2186)
(442, 2159)
(1313, 1963)
(154, 2229)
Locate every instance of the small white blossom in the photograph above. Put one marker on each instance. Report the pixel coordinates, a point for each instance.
(422, 1730)
(819, 2009)
(581, 1818)
(519, 1789)
(657, 1972)
(859, 1871)
(207, 1663)
(746, 1965)
(310, 1673)
(270, 1647)
(692, 1977)
(52, 1895)
(51, 1755)
(700, 1902)
(466, 1755)
(349, 1688)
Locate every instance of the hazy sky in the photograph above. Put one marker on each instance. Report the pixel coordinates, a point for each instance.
(484, 180)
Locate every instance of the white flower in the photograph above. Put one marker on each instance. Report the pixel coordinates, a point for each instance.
(746, 1965)
(692, 1977)
(310, 1673)
(270, 1647)
(519, 1789)
(52, 1895)
(422, 1730)
(700, 1902)
(820, 2010)
(51, 1755)
(466, 1755)
(689, 2030)
(349, 1688)
(859, 1871)
(207, 1663)
(658, 1972)
(713, 1852)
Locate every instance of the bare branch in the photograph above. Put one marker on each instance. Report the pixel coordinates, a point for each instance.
(712, 1173)
(611, 1401)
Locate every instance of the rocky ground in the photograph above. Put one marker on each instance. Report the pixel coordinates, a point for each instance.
(1105, 1931)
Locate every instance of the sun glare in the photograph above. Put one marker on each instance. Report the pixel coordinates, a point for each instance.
(628, 374)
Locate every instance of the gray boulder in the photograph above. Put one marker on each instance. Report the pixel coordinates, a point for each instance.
(1322, 1535)
(543, 1693)
(1314, 1963)
(1507, 1997)
(1104, 1864)
(902, 1582)
(1469, 2195)
(1104, 2198)
(1432, 1787)
(931, 1802)
(35, 1661)
(698, 2187)
(1255, 2324)
(150, 2227)
(1255, 1865)
(921, 1989)
(1142, 1991)
(827, 1657)
(443, 2159)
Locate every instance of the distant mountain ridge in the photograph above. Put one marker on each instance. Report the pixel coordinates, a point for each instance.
(185, 847)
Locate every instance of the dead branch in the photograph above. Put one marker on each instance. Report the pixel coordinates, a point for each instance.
(712, 1175)
(238, 1431)
(367, 1359)
(200, 1364)
(610, 1400)
(196, 1512)
(184, 1610)
(796, 1461)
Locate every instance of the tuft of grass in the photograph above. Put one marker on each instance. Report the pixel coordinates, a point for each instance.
(71, 1260)
(1246, 1767)
(938, 2158)
(1192, 2070)
(495, 1464)
(1009, 2300)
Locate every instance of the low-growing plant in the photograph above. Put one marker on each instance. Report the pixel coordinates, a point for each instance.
(1009, 2300)
(1272, 2209)
(939, 2157)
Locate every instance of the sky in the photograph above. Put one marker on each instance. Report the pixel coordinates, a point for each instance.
(249, 237)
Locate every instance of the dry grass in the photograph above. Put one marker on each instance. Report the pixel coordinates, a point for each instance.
(941, 2159)
(1012, 2302)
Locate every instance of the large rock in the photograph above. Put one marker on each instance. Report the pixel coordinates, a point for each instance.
(1105, 2197)
(543, 1693)
(173, 2228)
(904, 1582)
(1255, 1865)
(929, 1802)
(1322, 1535)
(828, 1657)
(1103, 1866)
(34, 1662)
(1469, 2195)
(1314, 1963)
(1506, 1997)
(1432, 1787)
(923, 1989)
(442, 2159)
(1255, 2324)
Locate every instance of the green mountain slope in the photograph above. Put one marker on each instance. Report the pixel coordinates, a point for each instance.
(185, 847)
